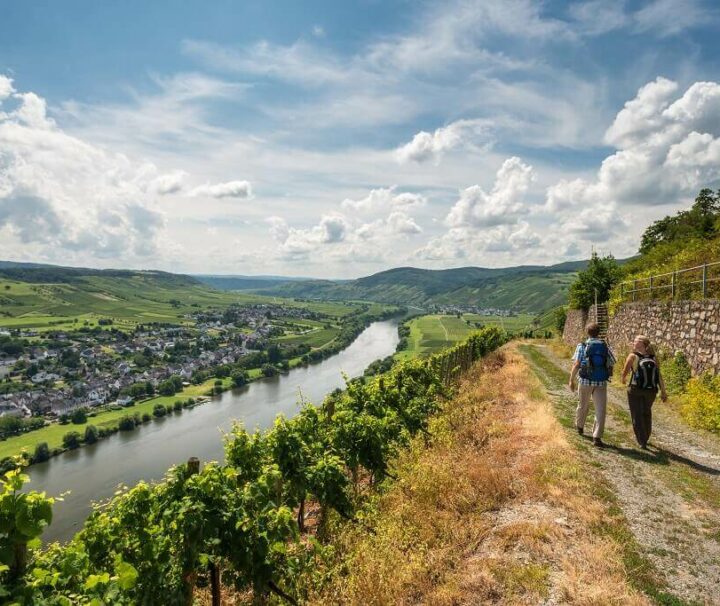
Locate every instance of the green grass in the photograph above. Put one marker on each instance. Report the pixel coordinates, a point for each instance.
(512, 324)
(429, 334)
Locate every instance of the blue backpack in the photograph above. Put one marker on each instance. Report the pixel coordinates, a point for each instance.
(594, 361)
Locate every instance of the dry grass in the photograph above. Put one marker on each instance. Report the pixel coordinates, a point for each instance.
(497, 510)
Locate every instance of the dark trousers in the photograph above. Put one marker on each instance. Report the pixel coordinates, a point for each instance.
(641, 401)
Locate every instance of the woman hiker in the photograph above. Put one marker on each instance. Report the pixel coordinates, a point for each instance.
(645, 380)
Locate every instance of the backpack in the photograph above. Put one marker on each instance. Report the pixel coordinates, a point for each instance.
(647, 375)
(594, 361)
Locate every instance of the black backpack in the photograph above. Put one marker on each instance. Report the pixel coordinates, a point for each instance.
(647, 374)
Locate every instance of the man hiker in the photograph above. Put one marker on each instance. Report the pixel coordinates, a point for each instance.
(593, 364)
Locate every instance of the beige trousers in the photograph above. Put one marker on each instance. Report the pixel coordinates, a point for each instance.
(598, 395)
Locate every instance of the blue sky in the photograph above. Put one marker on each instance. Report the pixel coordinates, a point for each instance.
(337, 139)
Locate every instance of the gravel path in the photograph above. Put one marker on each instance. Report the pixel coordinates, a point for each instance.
(670, 494)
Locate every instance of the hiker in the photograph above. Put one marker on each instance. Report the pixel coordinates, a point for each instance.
(645, 380)
(593, 364)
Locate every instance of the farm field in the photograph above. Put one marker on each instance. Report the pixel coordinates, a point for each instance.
(511, 324)
(429, 334)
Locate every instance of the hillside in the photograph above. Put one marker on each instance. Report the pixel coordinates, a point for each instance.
(62, 297)
(525, 288)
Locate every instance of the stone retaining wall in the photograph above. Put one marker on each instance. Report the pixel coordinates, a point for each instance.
(687, 326)
(574, 330)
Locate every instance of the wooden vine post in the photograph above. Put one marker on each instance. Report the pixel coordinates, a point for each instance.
(189, 575)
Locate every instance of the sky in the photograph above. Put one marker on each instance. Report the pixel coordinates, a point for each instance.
(338, 139)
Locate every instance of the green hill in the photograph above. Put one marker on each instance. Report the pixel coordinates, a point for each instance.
(525, 288)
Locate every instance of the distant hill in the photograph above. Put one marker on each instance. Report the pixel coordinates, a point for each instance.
(530, 288)
(245, 282)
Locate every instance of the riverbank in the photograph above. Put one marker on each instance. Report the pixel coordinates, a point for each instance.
(107, 420)
(94, 472)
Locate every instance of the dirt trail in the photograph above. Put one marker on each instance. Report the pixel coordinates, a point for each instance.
(670, 494)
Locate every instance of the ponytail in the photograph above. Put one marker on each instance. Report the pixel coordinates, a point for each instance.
(648, 345)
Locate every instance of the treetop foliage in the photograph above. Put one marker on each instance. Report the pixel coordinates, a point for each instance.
(600, 275)
(702, 220)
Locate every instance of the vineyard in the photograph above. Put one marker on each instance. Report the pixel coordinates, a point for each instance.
(240, 524)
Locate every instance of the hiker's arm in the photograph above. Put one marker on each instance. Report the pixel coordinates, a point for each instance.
(663, 391)
(573, 375)
(627, 368)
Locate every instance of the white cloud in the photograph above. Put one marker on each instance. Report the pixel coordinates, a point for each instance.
(670, 17)
(667, 149)
(6, 87)
(230, 189)
(170, 183)
(383, 199)
(400, 223)
(431, 146)
(503, 205)
(66, 196)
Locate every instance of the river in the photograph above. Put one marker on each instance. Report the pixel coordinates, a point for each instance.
(93, 473)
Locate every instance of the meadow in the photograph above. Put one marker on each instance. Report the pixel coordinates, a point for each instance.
(431, 333)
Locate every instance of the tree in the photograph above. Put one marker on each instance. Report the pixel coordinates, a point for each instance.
(91, 434)
(700, 221)
(240, 377)
(42, 452)
(126, 423)
(159, 410)
(268, 370)
(600, 275)
(274, 355)
(71, 440)
(79, 416)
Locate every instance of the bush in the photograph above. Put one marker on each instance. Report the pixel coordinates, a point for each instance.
(79, 416)
(42, 452)
(64, 419)
(268, 370)
(146, 417)
(159, 410)
(600, 275)
(239, 377)
(126, 424)
(177, 406)
(701, 403)
(677, 372)
(71, 440)
(168, 409)
(91, 434)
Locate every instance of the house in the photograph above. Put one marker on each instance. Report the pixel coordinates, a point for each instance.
(10, 409)
(124, 400)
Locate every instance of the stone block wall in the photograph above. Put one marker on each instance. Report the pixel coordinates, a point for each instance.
(574, 331)
(688, 326)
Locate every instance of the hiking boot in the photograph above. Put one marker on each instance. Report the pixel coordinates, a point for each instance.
(580, 430)
(644, 446)
(598, 443)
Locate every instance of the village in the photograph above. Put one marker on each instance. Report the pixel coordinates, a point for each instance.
(55, 372)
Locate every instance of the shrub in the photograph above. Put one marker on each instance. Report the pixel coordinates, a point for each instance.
(146, 417)
(239, 377)
(676, 372)
(159, 410)
(218, 383)
(91, 434)
(701, 403)
(168, 409)
(79, 416)
(42, 452)
(71, 440)
(268, 370)
(126, 423)
(64, 419)
(177, 406)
